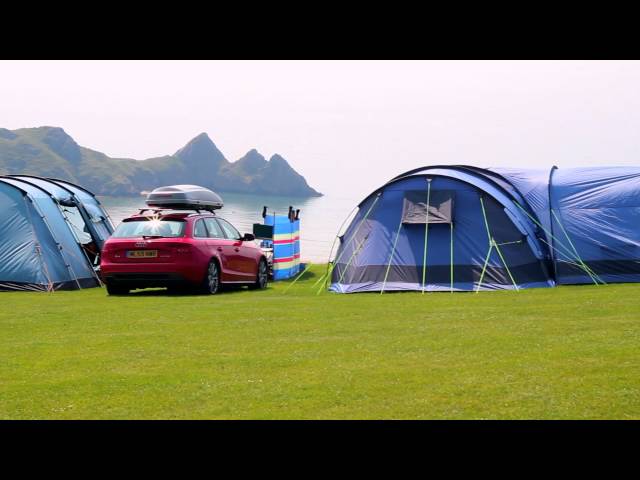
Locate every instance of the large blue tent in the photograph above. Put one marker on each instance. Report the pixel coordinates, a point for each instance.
(48, 230)
(462, 228)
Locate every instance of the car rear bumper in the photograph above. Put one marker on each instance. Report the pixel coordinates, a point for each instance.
(145, 280)
(150, 275)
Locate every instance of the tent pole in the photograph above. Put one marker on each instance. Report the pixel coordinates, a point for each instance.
(333, 244)
(59, 245)
(320, 279)
(337, 259)
(323, 285)
(384, 282)
(492, 244)
(451, 256)
(296, 279)
(359, 225)
(38, 249)
(555, 240)
(484, 269)
(326, 281)
(587, 269)
(355, 252)
(70, 224)
(505, 265)
(344, 270)
(552, 239)
(486, 260)
(486, 222)
(426, 236)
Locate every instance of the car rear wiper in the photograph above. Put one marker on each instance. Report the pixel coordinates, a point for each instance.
(153, 236)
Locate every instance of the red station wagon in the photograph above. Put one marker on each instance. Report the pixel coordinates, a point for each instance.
(176, 249)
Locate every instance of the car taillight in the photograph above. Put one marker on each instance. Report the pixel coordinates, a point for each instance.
(108, 252)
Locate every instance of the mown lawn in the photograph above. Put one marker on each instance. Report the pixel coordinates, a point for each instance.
(569, 352)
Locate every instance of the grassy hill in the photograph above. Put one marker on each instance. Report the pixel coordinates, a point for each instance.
(566, 352)
(51, 152)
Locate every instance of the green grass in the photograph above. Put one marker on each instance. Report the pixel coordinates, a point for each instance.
(569, 352)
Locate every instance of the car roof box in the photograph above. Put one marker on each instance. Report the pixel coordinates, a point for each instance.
(184, 197)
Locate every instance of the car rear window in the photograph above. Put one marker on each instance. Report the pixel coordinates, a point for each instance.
(150, 228)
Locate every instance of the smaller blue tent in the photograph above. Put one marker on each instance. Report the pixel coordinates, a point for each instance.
(46, 230)
(463, 228)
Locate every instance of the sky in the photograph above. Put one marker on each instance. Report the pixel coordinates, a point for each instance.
(347, 126)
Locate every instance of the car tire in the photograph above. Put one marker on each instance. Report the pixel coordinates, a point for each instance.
(116, 290)
(262, 278)
(211, 282)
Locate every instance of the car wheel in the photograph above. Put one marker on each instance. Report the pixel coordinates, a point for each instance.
(212, 279)
(116, 290)
(262, 277)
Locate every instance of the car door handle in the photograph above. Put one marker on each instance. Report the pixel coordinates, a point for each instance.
(219, 249)
(237, 249)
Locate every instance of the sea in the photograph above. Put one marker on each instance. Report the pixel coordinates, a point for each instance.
(320, 217)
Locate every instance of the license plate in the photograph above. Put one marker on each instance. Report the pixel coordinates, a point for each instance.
(142, 254)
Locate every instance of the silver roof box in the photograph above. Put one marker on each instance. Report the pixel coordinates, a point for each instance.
(184, 197)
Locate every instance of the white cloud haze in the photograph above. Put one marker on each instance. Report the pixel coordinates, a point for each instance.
(345, 125)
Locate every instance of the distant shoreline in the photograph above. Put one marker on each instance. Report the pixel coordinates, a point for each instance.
(144, 193)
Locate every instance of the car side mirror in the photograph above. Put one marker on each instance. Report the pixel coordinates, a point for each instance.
(248, 237)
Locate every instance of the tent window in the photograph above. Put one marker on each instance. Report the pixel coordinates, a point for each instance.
(76, 222)
(440, 207)
(81, 232)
